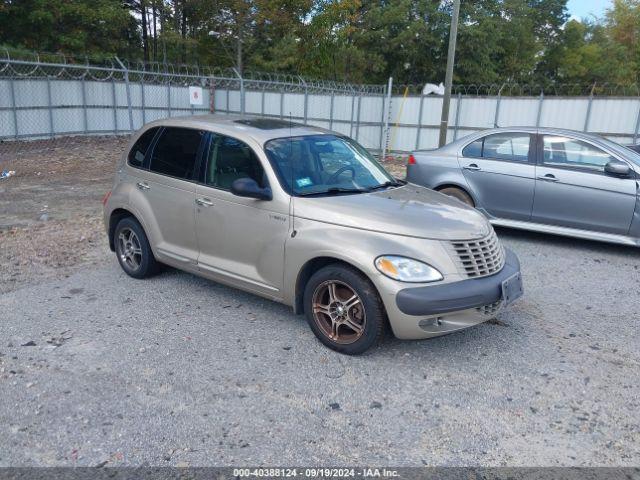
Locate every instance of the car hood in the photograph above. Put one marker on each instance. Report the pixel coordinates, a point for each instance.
(410, 210)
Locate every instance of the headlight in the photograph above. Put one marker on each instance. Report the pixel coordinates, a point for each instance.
(407, 270)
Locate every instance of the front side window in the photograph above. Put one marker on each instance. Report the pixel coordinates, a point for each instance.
(139, 149)
(230, 159)
(561, 151)
(176, 152)
(320, 164)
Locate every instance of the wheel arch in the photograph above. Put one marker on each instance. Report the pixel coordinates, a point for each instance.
(312, 266)
(464, 188)
(115, 216)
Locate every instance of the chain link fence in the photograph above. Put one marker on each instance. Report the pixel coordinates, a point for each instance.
(46, 97)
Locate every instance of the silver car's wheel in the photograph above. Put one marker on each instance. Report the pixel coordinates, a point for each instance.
(458, 193)
(338, 311)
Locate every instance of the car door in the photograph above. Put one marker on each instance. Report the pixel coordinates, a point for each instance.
(500, 170)
(241, 240)
(166, 192)
(573, 190)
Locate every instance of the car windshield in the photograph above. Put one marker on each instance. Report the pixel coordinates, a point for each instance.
(326, 164)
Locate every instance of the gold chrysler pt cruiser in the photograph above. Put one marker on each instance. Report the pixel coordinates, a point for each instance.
(306, 217)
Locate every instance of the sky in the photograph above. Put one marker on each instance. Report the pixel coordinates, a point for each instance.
(584, 8)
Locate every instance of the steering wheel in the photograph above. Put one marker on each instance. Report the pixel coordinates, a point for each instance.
(334, 178)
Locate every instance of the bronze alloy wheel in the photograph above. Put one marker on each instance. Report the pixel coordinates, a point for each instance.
(129, 249)
(339, 312)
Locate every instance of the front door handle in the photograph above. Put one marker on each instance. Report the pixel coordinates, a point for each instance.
(204, 202)
(143, 186)
(473, 167)
(548, 178)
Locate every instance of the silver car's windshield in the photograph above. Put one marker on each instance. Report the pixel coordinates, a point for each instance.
(325, 164)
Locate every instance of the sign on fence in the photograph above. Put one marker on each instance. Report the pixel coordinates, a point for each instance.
(195, 95)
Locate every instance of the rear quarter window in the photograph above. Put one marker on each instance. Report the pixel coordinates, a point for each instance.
(139, 150)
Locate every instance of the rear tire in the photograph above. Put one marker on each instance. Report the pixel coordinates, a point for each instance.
(344, 309)
(460, 194)
(133, 250)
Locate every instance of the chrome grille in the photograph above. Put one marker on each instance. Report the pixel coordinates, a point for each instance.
(479, 258)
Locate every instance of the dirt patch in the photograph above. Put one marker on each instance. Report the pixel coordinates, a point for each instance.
(51, 222)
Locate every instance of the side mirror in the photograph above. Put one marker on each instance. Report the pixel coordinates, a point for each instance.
(248, 187)
(617, 168)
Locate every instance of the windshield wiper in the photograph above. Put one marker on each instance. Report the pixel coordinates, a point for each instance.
(390, 183)
(334, 191)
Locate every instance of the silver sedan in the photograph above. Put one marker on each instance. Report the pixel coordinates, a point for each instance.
(547, 180)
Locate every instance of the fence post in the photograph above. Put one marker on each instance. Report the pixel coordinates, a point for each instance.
(458, 108)
(85, 118)
(306, 99)
(281, 104)
(387, 108)
(419, 130)
(14, 107)
(169, 95)
(358, 117)
(242, 93)
(128, 90)
(50, 105)
(331, 110)
(115, 105)
(496, 118)
(353, 106)
(588, 115)
(540, 109)
(637, 132)
(143, 100)
(262, 103)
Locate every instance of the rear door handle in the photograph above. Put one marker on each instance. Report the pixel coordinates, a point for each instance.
(143, 186)
(473, 167)
(204, 202)
(548, 178)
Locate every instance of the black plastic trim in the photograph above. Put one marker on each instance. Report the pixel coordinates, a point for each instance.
(457, 296)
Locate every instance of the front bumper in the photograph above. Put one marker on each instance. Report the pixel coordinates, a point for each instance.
(430, 311)
(457, 296)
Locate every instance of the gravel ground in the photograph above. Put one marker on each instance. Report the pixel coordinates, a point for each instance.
(99, 369)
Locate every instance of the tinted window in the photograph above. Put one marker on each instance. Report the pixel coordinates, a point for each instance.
(176, 152)
(567, 152)
(139, 150)
(230, 159)
(507, 146)
(473, 149)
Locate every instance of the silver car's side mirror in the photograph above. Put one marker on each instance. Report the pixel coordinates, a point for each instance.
(617, 168)
(248, 187)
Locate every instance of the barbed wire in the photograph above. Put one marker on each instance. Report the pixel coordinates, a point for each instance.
(26, 64)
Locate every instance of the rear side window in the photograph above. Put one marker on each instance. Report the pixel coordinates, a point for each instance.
(511, 147)
(139, 149)
(176, 152)
(474, 149)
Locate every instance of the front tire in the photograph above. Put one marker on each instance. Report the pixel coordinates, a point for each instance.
(344, 309)
(133, 250)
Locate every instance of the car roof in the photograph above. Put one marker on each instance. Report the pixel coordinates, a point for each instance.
(453, 146)
(260, 129)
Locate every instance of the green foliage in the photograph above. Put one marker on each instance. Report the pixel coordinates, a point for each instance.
(525, 41)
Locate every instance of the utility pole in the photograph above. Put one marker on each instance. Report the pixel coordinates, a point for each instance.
(451, 58)
(239, 54)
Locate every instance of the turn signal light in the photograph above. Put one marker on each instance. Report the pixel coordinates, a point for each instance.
(412, 160)
(105, 199)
